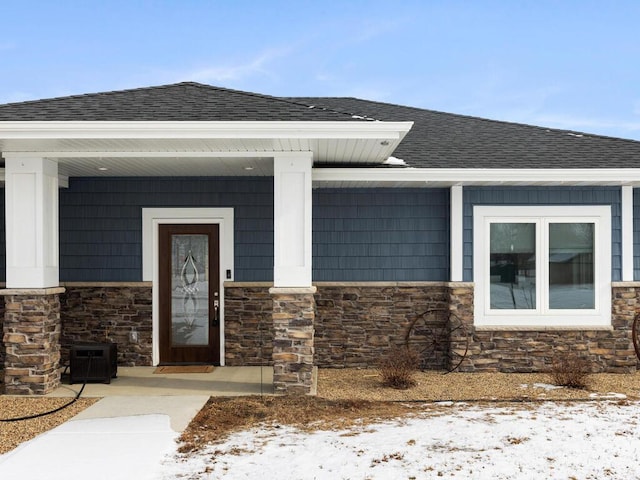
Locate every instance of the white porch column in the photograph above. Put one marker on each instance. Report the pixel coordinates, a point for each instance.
(627, 233)
(292, 220)
(456, 253)
(292, 292)
(31, 203)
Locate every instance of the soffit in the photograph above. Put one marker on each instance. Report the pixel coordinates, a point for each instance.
(196, 148)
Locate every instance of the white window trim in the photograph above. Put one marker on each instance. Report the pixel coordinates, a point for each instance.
(600, 316)
(151, 219)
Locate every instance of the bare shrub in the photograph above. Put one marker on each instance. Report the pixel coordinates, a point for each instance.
(570, 370)
(398, 367)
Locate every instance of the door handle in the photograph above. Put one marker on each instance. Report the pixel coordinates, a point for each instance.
(215, 320)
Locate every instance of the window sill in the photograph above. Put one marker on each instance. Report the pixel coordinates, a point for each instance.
(542, 328)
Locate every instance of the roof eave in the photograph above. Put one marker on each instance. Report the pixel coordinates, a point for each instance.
(443, 177)
(202, 129)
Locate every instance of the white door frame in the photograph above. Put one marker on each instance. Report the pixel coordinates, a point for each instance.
(151, 218)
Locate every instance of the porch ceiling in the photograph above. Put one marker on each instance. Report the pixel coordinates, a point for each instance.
(196, 148)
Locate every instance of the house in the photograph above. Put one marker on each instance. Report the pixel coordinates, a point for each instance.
(195, 224)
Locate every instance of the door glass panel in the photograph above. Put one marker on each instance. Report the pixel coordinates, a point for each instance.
(571, 269)
(512, 266)
(189, 290)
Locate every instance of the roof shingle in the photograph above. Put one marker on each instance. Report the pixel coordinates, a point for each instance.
(187, 101)
(446, 140)
(437, 139)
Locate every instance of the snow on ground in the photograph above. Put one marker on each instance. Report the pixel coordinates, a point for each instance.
(598, 440)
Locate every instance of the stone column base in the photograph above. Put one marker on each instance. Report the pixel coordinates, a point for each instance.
(32, 340)
(293, 318)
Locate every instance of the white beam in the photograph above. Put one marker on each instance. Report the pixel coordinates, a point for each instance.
(627, 233)
(456, 252)
(479, 176)
(392, 131)
(31, 203)
(292, 221)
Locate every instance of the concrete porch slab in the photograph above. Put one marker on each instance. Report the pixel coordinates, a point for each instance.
(141, 381)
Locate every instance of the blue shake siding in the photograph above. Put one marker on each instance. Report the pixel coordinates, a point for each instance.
(358, 234)
(101, 222)
(380, 234)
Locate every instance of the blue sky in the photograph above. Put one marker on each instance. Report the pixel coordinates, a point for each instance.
(566, 64)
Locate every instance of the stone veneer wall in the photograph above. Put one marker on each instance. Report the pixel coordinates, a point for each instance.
(356, 324)
(31, 338)
(533, 350)
(293, 329)
(2, 347)
(248, 324)
(119, 313)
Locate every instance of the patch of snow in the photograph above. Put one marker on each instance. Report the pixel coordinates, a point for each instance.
(607, 395)
(578, 135)
(552, 440)
(394, 161)
(546, 386)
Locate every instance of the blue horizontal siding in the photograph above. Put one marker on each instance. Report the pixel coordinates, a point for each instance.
(519, 196)
(358, 234)
(380, 235)
(101, 222)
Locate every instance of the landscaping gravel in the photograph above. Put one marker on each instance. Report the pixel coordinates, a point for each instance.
(434, 386)
(14, 433)
(360, 384)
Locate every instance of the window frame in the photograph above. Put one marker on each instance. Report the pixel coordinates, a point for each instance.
(542, 217)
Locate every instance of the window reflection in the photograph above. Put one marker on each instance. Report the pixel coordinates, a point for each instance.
(571, 269)
(513, 266)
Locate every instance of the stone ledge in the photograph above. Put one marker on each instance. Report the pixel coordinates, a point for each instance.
(393, 284)
(248, 284)
(355, 284)
(32, 291)
(292, 290)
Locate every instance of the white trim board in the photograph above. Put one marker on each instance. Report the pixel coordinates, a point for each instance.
(477, 176)
(151, 218)
(542, 315)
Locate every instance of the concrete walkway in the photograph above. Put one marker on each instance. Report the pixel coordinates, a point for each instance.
(131, 431)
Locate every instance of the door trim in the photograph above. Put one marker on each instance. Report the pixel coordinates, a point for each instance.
(151, 218)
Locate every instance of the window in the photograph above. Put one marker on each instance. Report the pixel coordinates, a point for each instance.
(542, 266)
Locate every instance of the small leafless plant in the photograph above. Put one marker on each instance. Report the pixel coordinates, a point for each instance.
(398, 367)
(570, 370)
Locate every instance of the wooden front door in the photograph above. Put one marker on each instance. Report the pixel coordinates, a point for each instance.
(189, 294)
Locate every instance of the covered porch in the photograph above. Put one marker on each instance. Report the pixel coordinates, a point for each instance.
(43, 157)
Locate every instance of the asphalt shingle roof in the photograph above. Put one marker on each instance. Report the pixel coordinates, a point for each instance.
(446, 140)
(187, 101)
(437, 139)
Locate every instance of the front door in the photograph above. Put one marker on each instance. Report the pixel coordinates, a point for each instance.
(189, 294)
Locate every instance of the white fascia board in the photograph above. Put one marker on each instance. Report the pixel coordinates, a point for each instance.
(172, 130)
(475, 176)
(149, 154)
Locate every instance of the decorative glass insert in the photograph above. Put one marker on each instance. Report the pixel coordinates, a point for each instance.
(571, 267)
(189, 290)
(512, 266)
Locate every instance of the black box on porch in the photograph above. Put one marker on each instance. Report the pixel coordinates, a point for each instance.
(93, 362)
